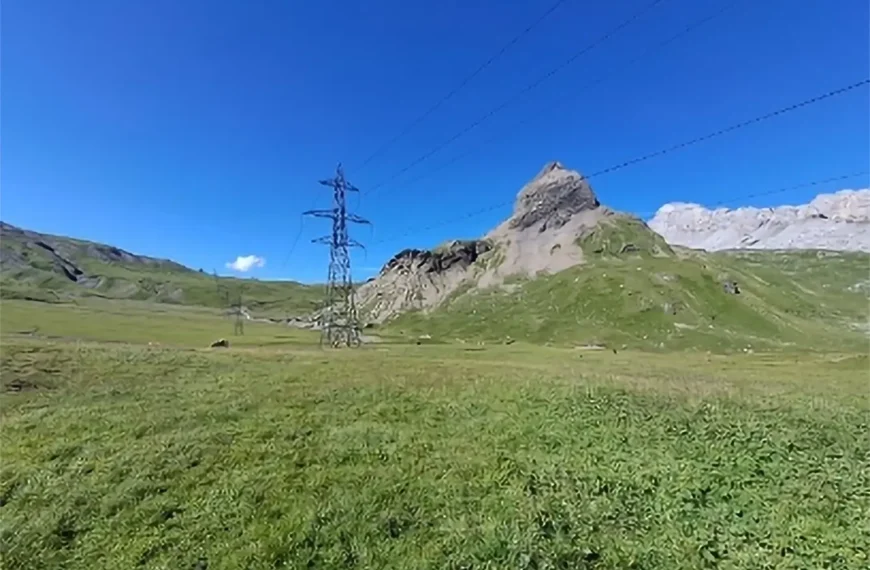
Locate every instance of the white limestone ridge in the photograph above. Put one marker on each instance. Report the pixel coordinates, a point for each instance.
(838, 221)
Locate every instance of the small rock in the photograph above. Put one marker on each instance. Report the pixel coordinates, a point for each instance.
(731, 287)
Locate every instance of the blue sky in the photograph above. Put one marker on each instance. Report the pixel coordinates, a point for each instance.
(197, 129)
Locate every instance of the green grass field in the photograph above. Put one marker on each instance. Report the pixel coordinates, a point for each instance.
(118, 321)
(275, 454)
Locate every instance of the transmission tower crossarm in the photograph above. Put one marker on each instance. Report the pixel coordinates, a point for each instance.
(357, 219)
(321, 213)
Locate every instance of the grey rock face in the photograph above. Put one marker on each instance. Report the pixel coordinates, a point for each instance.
(455, 253)
(416, 279)
(838, 221)
(553, 196)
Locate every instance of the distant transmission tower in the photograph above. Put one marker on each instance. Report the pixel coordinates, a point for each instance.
(339, 321)
(239, 326)
(223, 293)
(231, 307)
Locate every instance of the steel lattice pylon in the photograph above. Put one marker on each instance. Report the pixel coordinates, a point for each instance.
(339, 323)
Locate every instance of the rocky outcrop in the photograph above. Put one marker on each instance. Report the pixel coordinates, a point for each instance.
(552, 198)
(551, 212)
(838, 221)
(417, 279)
(449, 256)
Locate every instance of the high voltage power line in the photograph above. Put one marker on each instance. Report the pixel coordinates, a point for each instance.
(795, 187)
(662, 152)
(295, 241)
(461, 85)
(492, 112)
(513, 129)
(717, 204)
(838, 178)
(654, 49)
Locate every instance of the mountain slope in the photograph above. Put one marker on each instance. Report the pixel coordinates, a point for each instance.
(564, 269)
(839, 221)
(552, 211)
(692, 300)
(52, 268)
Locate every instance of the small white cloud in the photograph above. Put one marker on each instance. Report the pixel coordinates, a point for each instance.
(245, 263)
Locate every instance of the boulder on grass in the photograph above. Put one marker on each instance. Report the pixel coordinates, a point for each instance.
(731, 287)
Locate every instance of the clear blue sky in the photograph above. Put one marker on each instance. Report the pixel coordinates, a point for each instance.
(197, 129)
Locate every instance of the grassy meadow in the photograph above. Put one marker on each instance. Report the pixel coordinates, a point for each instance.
(123, 321)
(117, 453)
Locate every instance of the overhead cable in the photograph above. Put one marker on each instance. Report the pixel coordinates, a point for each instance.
(673, 148)
(459, 87)
(492, 112)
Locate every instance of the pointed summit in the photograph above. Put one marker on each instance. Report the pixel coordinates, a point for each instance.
(548, 168)
(552, 197)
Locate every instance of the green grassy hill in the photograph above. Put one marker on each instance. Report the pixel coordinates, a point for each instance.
(51, 268)
(635, 290)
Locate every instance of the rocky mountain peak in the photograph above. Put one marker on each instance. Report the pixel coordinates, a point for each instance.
(552, 197)
(550, 167)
